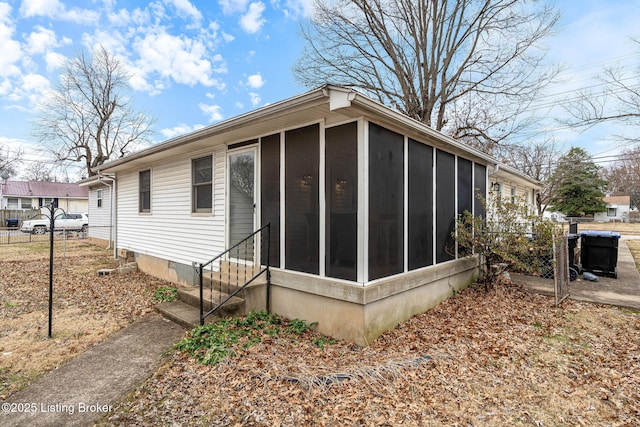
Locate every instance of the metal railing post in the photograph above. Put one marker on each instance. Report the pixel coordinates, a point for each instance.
(201, 274)
(268, 269)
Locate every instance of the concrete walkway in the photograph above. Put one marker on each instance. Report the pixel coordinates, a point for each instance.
(623, 291)
(83, 390)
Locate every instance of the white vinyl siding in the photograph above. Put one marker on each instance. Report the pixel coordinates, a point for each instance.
(172, 232)
(100, 218)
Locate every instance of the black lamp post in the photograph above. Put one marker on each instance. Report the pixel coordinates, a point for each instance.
(52, 220)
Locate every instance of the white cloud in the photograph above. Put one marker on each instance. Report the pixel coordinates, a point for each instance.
(252, 21)
(54, 60)
(55, 9)
(186, 9)
(35, 82)
(181, 129)
(214, 111)
(295, 8)
(42, 40)
(179, 58)
(11, 51)
(255, 99)
(48, 8)
(233, 6)
(255, 81)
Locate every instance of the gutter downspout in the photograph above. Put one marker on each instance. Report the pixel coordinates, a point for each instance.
(112, 217)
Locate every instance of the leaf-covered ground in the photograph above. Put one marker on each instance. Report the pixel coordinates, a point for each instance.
(506, 357)
(86, 308)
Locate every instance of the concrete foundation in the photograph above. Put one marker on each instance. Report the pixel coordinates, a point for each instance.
(362, 313)
(342, 309)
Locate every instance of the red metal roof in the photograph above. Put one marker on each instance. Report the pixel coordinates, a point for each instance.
(43, 189)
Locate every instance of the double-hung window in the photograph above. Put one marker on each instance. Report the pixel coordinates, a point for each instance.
(145, 191)
(202, 184)
(99, 198)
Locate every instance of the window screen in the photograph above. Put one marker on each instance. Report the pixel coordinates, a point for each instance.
(465, 193)
(445, 205)
(386, 202)
(420, 234)
(302, 230)
(270, 194)
(480, 180)
(342, 201)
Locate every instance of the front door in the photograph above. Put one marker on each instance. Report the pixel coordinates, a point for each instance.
(242, 201)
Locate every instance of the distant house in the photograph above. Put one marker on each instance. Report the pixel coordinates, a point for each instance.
(362, 202)
(618, 208)
(28, 195)
(101, 209)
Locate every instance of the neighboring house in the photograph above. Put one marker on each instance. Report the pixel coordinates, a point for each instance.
(101, 209)
(28, 195)
(618, 208)
(362, 200)
(514, 187)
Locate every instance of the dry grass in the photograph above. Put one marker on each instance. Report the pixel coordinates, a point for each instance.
(634, 247)
(620, 227)
(86, 308)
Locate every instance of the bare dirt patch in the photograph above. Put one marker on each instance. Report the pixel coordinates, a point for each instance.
(506, 357)
(86, 308)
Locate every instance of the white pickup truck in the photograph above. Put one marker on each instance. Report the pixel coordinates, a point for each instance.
(66, 222)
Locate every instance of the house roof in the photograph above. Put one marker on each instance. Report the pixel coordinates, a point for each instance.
(43, 189)
(618, 200)
(334, 104)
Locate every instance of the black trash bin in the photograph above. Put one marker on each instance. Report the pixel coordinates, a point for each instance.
(12, 222)
(599, 252)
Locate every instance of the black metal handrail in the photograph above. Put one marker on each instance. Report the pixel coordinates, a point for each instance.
(242, 259)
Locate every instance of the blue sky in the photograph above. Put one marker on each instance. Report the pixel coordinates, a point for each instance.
(196, 62)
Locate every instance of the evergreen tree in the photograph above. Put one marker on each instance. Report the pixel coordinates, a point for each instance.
(579, 189)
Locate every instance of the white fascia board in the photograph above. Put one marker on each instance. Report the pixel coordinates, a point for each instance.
(260, 114)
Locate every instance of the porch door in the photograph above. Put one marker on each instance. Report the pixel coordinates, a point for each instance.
(242, 201)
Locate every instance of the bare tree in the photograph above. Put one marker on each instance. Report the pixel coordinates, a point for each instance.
(615, 99)
(469, 68)
(88, 117)
(537, 160)
(38, 171)
(623, 176)
(9, 161)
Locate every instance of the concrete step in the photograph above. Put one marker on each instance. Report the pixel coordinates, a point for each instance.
(212, 298)
(181, 313)
(231, 281)
(187, 315)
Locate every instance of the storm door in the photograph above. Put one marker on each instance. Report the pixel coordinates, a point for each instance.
(241, 202)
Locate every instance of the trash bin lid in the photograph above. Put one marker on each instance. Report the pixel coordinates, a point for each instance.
(597, 233)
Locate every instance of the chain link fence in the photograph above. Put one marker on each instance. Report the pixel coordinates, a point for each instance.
(13, 235)
(549, 260)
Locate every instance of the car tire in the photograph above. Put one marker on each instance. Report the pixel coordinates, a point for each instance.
(39, 230)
